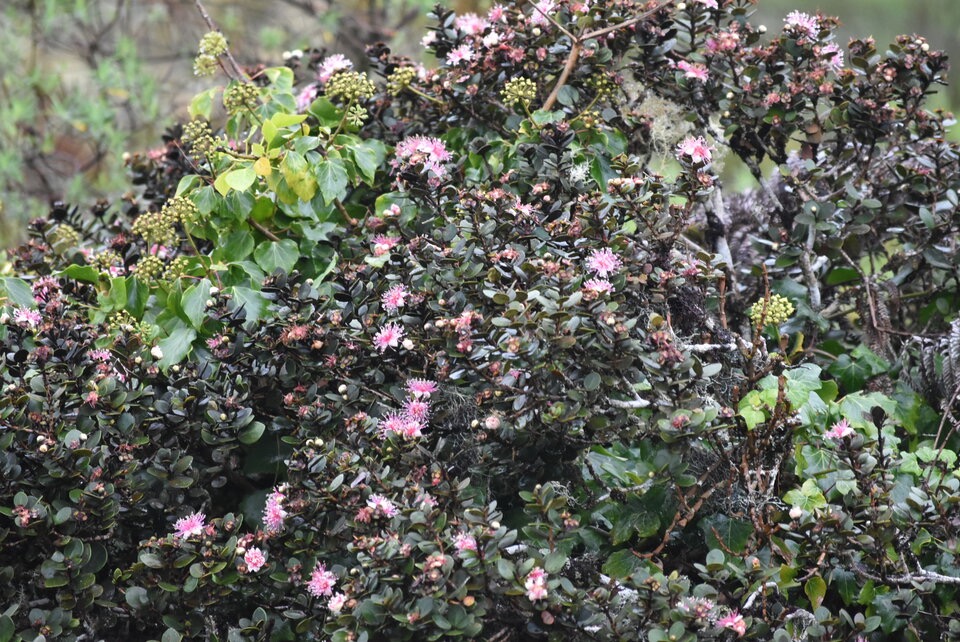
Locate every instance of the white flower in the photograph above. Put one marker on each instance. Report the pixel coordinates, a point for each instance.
(156, 352)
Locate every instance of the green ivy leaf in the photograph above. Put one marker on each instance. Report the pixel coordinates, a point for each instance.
(85, 273)
(194, 302)
(816, 590)
(241, 179)
(369, 155)
(277, 254)
(17, 291)
(332, 178)
(622, 564)
(296, 171)
(808, 497)
(176, 346)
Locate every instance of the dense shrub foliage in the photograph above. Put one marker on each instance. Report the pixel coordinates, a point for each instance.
(485, 351)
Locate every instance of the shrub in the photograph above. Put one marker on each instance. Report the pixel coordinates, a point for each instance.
(424, 354)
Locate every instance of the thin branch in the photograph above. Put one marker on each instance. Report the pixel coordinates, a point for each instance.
(756, 593)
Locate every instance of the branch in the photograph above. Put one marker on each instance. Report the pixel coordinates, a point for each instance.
(629, 405)
(907, 579)
(756, 593)
(707, 347)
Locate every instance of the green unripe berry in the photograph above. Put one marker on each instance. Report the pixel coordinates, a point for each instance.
(519, 90)
(774, 311)
(350, 86)
(400, 80)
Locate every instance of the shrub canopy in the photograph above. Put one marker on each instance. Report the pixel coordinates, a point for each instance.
(486, 351)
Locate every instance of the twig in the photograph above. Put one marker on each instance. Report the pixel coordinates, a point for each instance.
(921, 575)
(632, 404)
(756, 593)
(270, 235)
(577, 45)
(707, 347)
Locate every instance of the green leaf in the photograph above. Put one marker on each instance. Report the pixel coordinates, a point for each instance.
(283, 255)
(86, 273)
(194, 302)
(720, 531)
(369, 155)
(176, 346)
(297, 173)
(591, 381)
(138, 293)
(282, 119)
(241, 179)
(17, 291)
(622, 564)
(808, 497)
(171, 635)
(237, 246)
(332, 178)
(251, 301)
(7, 628)
(252, 433)
(202, 104)
(816, 590)
(842, 275)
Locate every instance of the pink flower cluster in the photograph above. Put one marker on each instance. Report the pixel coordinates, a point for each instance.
(273, 512)
(693, 70)
(603, 262)
(389, 336)
(694, 149)
(802, 24)
(429, 153)
(381, 506)
(254, 559)
(839, 430)
(321, 581)
(410, 422)
(734, 621)
(27, 317)
(464, 542)
(536, 584)
(395, 298)
(190, 526)
(331, 65)
(383, 244)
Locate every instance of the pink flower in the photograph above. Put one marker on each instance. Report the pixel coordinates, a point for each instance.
(463, 53)
(497, 13)
(321, 581)
(735, 622)
(190, 525)
(710, 4)
(99, 355)
(598, 286)
(401, 424)
(428, 39)
(273, 512)
(834, 56)
(536, 584)
(541, 10)
(839, 430)
(395, 298)
(464, 542)
(802, 24)
(417, 409)
(27, 317)
(695, 149)
(337, 602)
(92, 398)
(389, 336)
(254, 559)
(331, 65)
(306, 96)
(381, 505)
(470, 24)
(383, 244)
(603, 262)
(693, 70)
(421, 387)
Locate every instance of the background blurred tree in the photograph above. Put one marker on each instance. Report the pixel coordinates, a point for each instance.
(87, 80)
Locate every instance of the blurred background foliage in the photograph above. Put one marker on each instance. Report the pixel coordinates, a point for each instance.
(86, 81)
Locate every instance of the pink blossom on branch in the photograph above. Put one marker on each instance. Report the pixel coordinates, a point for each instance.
(802, 24)
(694, 149)
(734, 622)
(536, 584)
(839, 430)
(395, 298)
(603, 262)
(321, 581)
(421, 387)
(389, 336)
(254, 559)
(190, 525)
(693, 70)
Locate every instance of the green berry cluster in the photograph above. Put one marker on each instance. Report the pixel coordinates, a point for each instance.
(212, 46)
(774, 311)
(400, 79)
(182, 210)
(123, 321)
(240, 96)
(350, 86)
(156, 228)
(149, 267)
(213, 43)
(519, 90)
(106, 260)
(178, 267)
(602, 85)
(64, 238)
(199, 136)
